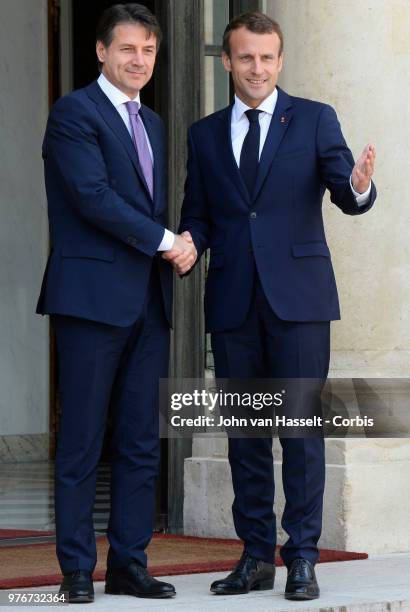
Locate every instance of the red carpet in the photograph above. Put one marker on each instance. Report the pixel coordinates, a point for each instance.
(9, 534)
(30, 565)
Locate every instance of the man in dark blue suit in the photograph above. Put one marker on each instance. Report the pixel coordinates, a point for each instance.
(257, 173)
(109, 294)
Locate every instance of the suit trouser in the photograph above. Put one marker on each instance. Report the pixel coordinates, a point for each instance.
(102, 365)
(268, 347)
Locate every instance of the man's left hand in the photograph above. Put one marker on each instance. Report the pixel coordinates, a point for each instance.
(363, 169)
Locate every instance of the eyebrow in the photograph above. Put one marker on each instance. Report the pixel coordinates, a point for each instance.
(150, 46)
(242, 55)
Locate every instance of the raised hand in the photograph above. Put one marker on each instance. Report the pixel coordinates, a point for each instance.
(363, 169)
(183, 254)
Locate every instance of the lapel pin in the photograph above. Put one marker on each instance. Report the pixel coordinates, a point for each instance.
(282, 119)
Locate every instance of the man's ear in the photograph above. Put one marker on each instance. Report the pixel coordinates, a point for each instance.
(100, 51)
(226, 61)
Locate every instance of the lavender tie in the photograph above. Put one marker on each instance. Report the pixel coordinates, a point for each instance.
(140, 143)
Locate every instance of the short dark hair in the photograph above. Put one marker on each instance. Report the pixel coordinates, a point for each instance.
(254, 22)
(126, 13)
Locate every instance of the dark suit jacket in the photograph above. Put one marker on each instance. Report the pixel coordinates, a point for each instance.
(279, 227)
(105, 229)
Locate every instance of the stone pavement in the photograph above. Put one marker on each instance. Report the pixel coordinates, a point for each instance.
(376, 584)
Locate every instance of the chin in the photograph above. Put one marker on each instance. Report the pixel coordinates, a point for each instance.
(254, 94)
(133, 87)
(258, 93)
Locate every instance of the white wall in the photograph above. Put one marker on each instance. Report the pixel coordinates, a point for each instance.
(24, 354)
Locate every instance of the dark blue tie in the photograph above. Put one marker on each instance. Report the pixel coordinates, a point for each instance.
(249, 160)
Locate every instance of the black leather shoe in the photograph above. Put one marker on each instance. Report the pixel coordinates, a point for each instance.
(78, 587)
(301, 583)
(134, 579)
(250, 574)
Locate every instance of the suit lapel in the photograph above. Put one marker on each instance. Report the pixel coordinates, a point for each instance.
(280, 121)
(226, 156)
(115, 122)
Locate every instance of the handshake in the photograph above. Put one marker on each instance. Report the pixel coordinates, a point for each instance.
(183, 254)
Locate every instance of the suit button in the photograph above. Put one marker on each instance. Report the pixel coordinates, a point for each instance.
(132, 241)
(253, 215)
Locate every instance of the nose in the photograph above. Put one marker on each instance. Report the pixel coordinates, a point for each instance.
(257, 67)
(138, 58)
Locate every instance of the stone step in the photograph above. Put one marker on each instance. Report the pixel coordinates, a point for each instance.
(377, 584)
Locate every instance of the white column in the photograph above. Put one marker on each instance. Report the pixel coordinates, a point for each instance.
(354, 56)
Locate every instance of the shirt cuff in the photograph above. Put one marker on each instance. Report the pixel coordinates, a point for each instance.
(167, 241)
(361, 198)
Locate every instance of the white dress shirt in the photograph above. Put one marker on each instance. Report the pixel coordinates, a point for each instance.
(119, 99)
(240, 127)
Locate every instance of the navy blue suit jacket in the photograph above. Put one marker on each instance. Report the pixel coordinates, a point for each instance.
(105, 228)
(279, 227)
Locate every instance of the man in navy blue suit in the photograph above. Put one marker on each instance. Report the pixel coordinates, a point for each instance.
(109, 294)
(256, 175)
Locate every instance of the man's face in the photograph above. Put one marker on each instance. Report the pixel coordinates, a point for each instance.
(129, 60)
(254, 63)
